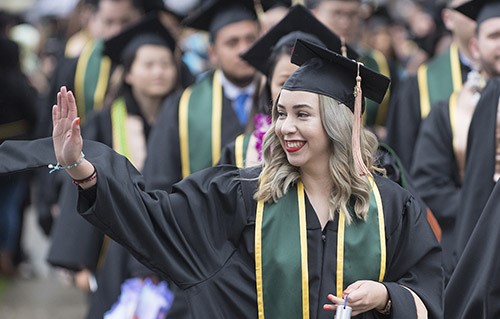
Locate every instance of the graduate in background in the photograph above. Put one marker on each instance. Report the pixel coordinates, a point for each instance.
(482, 168)
(435, 81)
(441, 150)
(150, 74)
(221, 237)
(214, 110)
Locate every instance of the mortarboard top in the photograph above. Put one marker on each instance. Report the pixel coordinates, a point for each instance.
(215, 14)
(325, 72)
(148, 30)
(270, 4)
(480, 10)
(299, 23)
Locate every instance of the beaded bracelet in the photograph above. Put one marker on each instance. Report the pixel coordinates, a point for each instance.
(86, 179)
(58, 166)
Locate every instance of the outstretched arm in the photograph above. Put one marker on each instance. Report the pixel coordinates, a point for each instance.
(68, 141)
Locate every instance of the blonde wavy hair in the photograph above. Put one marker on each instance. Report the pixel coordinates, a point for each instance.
(278, 175)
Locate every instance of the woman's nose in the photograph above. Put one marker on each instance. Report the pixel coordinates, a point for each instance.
(288, 126)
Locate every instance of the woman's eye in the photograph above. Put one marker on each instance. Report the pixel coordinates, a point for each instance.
(281, 114)
(302, 114)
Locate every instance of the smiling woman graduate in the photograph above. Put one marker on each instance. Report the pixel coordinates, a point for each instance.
(284, 240)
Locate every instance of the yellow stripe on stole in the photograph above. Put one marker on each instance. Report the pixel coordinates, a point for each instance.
(258, 257)
(381, 225)
(102, 83)
(425, 104)
(238, 150)
(303, 251)
(340, 255)
(216, 117)
(184, 132)
(456, 72)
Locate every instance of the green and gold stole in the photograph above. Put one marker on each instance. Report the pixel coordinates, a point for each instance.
(240, 149)
(281, 262)
(91, 78)
(375, 114)
(438, 79)
(200, 135)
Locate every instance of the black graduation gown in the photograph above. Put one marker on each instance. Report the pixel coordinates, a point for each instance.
(480, 164)
(202, 237)
(111, 263)
(436, 177)
(162, 168)
(404, 118)
(474, 286)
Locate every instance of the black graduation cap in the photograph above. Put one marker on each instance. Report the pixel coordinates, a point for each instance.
(299, 23)
(480, 10)
(215, 14)
(325, 72)
(148, 29)
(270, 4)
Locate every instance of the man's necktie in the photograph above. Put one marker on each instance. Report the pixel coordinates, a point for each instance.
(240, 108)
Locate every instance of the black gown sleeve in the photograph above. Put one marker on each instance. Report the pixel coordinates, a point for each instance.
(187, 235)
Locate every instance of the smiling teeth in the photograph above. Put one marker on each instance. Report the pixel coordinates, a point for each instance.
(294, 144)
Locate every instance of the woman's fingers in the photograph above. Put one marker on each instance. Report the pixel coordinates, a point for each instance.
(64, 102)
(72, 112)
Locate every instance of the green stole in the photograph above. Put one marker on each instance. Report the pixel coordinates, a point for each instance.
(281, 253)
(375, 114)
(120, 145)
(439, 78)
(240, 149)
(200, 134)
(91, 78)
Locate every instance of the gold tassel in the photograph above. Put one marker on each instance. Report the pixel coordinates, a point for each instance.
(359, 164)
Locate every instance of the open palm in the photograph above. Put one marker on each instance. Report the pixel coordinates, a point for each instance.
(66, 134)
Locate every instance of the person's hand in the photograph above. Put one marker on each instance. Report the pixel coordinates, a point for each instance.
(364, 295)
(66, 134)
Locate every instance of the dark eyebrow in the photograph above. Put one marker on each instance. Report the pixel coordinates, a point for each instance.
(297, 106)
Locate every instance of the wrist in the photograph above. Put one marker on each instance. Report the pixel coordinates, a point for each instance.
(82, 171)
(386, 308)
